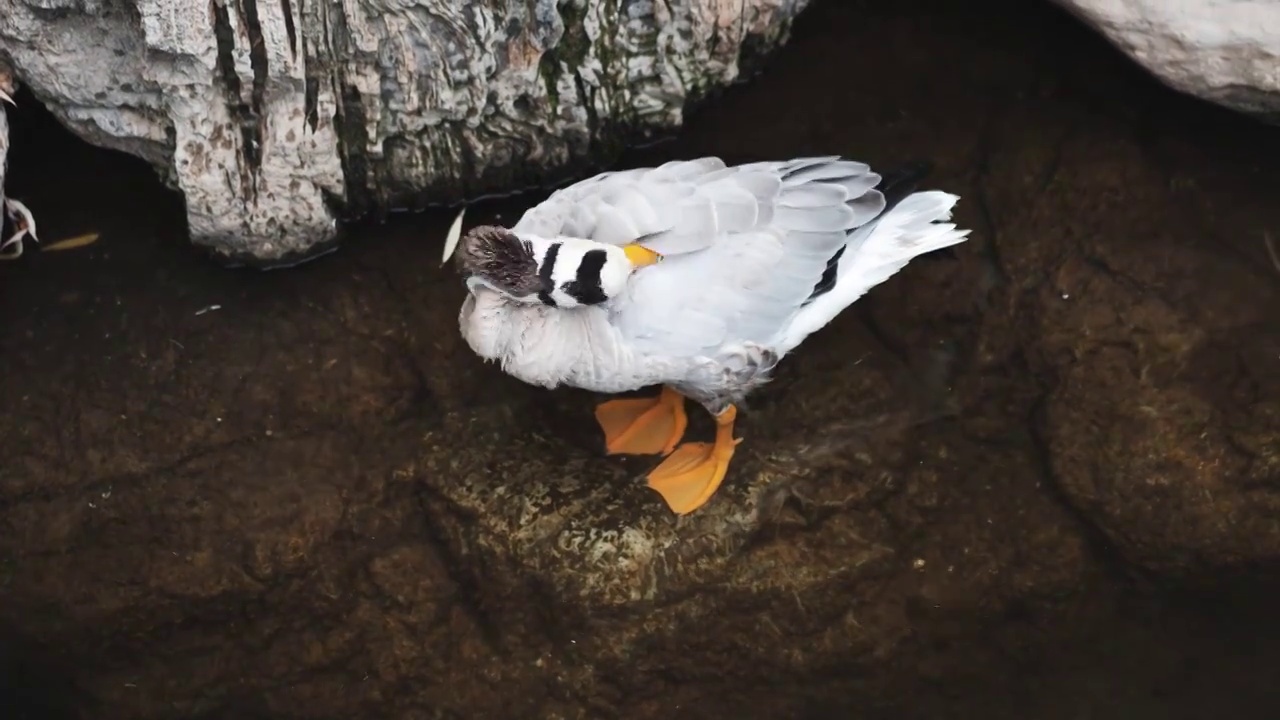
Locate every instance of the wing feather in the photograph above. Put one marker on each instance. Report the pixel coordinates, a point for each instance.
(614, 225)
(743, 246)
(825, 168)
(813, 219)
(685, 169)
(641, 208)
(813, 195)
(736, 209)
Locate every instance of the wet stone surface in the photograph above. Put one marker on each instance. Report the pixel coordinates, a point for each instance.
(1034, 476)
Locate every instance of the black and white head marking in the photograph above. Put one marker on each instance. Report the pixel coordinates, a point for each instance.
(561, 272)
(579, 272)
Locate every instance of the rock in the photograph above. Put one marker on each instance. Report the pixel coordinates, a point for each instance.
(277, 119)
(1163, 426)
(1220, 50)
(805, 539)
(1154, 334)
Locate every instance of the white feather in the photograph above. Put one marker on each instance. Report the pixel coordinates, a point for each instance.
(454, 234)
(874, 254)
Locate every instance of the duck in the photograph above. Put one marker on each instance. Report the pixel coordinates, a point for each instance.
(695, 276)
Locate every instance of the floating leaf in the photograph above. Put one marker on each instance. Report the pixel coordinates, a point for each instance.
(455, 234)
(71, 243)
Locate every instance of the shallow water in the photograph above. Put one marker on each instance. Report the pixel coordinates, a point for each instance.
(245, 494)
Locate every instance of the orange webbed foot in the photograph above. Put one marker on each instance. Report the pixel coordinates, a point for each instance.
(691, 475)
(643, 426)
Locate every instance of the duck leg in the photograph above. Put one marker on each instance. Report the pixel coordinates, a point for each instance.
(690, 476)
(643, 426)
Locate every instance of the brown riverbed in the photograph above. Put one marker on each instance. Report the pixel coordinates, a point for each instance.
(235, 494)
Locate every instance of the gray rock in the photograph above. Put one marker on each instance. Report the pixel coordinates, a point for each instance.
(1219, 50)
(277, 119)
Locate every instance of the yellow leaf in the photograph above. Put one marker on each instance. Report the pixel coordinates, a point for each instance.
(71, 243)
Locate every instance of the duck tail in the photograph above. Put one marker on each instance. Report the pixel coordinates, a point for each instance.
(914, 223)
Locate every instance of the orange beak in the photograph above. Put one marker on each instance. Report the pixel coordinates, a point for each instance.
(641, 256)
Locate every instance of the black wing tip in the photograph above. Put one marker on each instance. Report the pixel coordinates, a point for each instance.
(901, 181)
(909, 171)
(895, 185)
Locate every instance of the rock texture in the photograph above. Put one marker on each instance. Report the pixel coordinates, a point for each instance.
(275, 119)
(1225, 51)
(1162, 427)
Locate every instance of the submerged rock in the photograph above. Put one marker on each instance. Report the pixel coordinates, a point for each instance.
(1150, 319)
(1220, 50)
(275, 120)
(843, 527)
(1163, 425)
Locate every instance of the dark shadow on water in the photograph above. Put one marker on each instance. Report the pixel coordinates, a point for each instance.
(205, 466)
(37, 685)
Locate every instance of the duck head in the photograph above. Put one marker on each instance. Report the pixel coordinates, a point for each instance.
(558, 272)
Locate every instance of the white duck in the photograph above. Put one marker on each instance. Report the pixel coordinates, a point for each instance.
(692, 275)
